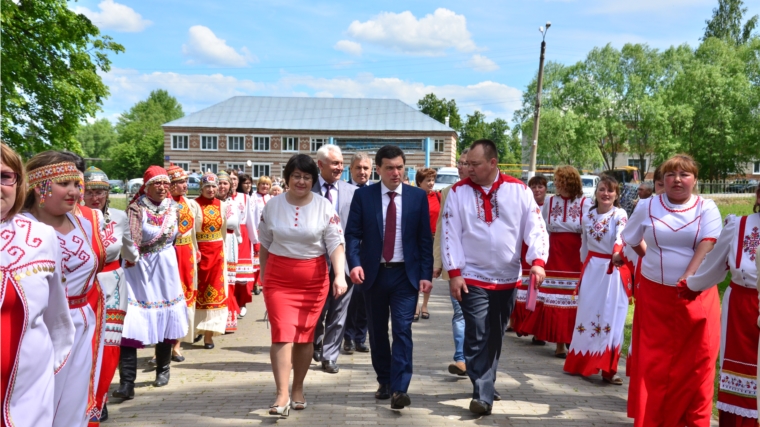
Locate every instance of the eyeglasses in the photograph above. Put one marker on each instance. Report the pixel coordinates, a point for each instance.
(160, 183)
(95, 193)
(8, 178)
(305, 178)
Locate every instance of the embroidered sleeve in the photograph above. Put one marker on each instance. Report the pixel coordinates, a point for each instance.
(251, 220)
(453, 259)
(714, 268)
(57, 316)
(265, 233)
(534, 234)
(333, 232)
(437, 263)
(621, 219)
(135, 220)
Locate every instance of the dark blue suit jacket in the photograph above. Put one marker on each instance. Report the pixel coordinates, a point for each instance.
(364, 233)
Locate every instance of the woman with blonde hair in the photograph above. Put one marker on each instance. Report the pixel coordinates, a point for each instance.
(260, 198)
(678, 339)
(37, 329)
(556, 306)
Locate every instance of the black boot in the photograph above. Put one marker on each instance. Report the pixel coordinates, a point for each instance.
(127, 373)
(104, 413)
(163, 360)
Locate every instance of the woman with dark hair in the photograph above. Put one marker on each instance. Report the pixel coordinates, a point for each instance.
(677, 343)
(260, 198)
(242, 204)
(556, 307)
(603, 289)
(37, 329)
(55, 188)
(296, 231)
(425, 179)
(737, 247)
(245, 184)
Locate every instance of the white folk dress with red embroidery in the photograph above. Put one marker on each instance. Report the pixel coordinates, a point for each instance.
(257, 208)
(737, 248)
(556, 307)
(231, 241)
(79, 376)
(247, 210)
(602, 298)
(482, 240)
(36, 330)
(112, 280)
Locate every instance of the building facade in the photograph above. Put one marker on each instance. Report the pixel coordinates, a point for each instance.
(259, 134)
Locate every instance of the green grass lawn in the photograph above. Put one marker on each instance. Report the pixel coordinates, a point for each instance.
(118, 202)
(726, 206)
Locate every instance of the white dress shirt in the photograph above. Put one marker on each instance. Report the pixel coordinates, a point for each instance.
(398, 249)
(333, 191)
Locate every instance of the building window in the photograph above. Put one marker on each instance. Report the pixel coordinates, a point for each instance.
(180, 142)
(411, 174)
(756, 168)
(209, 143)
(240, 167)
(235, 143)
(438, 145)
(289, 143)
(213, 167)
(184, 165)
(260, 143)
(316, 143)
(260, 169)
(641, 164)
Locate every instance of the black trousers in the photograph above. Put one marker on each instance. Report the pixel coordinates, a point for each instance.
(486, 314)
(356, 321)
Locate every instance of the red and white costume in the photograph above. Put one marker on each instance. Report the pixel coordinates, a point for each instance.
(737, 249)
(602, 297)
(678, 340)
(489, 224)
(232, 240)
(520, 313)
(556, 307)
(36, 329)
(257, 207)
(247, 211)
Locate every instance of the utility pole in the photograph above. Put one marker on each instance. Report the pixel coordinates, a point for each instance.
(537, 114)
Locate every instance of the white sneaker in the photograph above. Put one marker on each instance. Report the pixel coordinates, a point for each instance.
(243, 311)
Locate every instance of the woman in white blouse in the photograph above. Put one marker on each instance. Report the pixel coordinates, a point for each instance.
(676, 340)
(296, 231)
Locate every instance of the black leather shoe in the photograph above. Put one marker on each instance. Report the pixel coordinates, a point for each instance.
(362, 348)
(163, 360)
(317, 353)
(197, 338)
(330, 367)
(104, 413)
(383, 392)
(125, 391)
(496, 396)
(208, 346)
(400, 400)
(127, 373)
(348, 347)
(480, 407)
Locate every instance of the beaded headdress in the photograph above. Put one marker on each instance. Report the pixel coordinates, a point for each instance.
(95, 179)
(176, 173)
(223, 176)
(44, 177)
(209, 179)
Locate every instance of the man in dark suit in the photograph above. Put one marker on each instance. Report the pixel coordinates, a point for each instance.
(390, 253)
(355, 334)
(329, 332)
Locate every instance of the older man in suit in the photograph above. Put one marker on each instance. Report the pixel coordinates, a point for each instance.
(390, 253)
(329, 333)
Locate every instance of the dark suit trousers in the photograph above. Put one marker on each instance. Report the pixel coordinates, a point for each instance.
(356, 321)
(332, 321)
(486, 314)
(391, 294)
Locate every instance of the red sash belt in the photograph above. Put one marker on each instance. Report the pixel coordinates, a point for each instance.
(625, 273)
(111, 266)
(91, 297)
(750, 292)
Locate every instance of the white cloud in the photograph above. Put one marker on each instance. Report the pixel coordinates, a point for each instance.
(204, 47)
(116, 17)
(430, 35)
(617, 7)
(349, 47)
(196, 92)
(482, 63)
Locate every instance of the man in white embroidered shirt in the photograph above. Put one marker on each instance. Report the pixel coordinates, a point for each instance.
(487, 217)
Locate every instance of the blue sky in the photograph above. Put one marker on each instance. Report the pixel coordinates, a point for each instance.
(481, 53)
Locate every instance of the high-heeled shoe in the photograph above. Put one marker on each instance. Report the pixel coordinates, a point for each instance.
(299, 406)
(280, 410)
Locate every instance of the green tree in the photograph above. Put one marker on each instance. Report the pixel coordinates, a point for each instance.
(96, 138)
(439, 109)
(726, 22)
(141, 138)
(51, 57)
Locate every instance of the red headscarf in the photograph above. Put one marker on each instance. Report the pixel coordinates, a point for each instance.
(154, 173)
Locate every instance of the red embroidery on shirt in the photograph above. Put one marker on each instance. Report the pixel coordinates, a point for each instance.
(751, 242)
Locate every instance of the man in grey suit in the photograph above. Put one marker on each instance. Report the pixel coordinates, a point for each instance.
(329, 333)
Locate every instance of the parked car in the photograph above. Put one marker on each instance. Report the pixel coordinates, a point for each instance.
(193, 186)
(589, 185)
(551, 188)
(445, 177)
(117, 186)
(133, 186)
(743, 186)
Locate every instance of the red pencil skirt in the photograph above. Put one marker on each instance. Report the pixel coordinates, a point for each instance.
(677, 348)
(295, 291)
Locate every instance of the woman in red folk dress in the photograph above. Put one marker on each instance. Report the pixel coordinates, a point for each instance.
(737, 247)
(537, 185)
(55, 188)
(260, 198)
(556, 307)
(678, 340)
(36, 330)
(603, 289)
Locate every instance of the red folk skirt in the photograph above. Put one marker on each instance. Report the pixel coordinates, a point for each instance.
(295, 291)
(186, 266)
(737, 397)
(554, 317)
(212, 279)
(520, 313)
(676, 350)
(245, 274)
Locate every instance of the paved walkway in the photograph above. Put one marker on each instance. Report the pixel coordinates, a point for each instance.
(233, 385)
